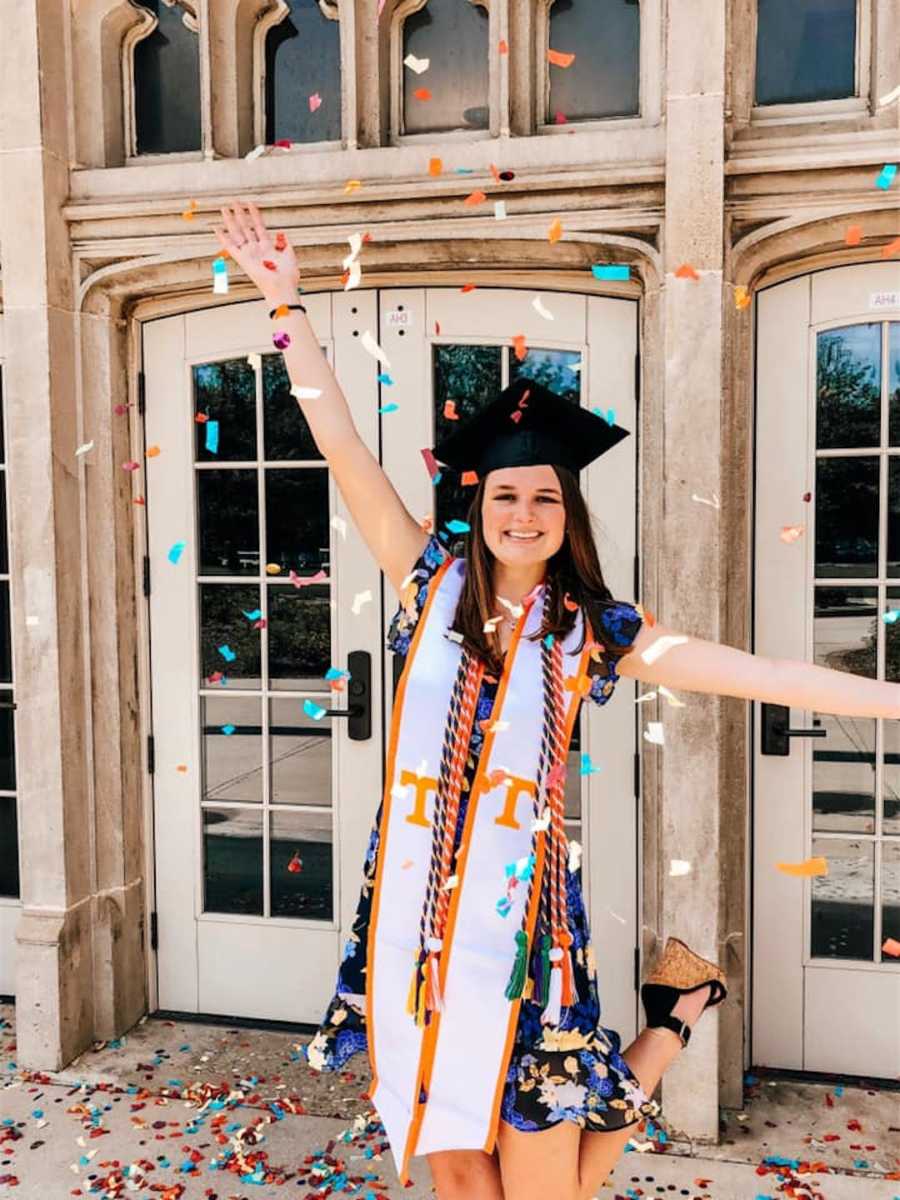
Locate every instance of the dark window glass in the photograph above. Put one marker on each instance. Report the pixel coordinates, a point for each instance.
(233, 861)
(894, 382)
(893, 521)
(604, 79)
(303, 60)
(846, 629)
(224, 625)
(9, 847)
(287, 434)
(167, 82)
(890, 897)
(7, 746)
(453, 35)
(848, 387)
(5, 638)
(805, 50)
(301, 864)
(226, 392)
(4, 554)
(846, 517)
(2, 422)
(297, 519)
(228, 522)
(300, 639)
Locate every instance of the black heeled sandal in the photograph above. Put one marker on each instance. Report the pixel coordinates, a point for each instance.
(679, 971)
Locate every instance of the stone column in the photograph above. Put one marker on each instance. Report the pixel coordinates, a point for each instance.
(689, 570)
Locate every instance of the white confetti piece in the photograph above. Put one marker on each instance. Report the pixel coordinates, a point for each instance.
(305, 393)
(354, 276)
(498, 726)
(372, 347)
(453, 636)
(491, 625)
(646, 696)
(672, 699)
(419, 65)
(515, 610)
(678, 866)
(451, 883)
(84, 449)
(661, 646)
(575, 366)
(500, 210)
(255, 361)
(641, 1147)
(399, 791)
(359, 600)
(574, 856)
(356, 244)
(654, 733)
(340, 525)
(256, 152)
(713, 503)
(615, 916)
(890, 97)
(541, 309)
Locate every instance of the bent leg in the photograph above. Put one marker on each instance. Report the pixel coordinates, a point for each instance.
(465, 1175)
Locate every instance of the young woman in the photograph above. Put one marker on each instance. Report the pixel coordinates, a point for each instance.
(469, 975)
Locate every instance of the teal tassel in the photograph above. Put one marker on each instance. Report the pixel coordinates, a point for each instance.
(516, 984)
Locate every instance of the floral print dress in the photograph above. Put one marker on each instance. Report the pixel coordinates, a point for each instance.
(571, 1073)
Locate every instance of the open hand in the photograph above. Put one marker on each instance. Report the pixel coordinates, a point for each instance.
(270, 263)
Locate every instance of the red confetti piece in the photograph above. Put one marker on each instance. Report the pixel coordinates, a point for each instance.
(468, 287)
(807, 496)
(139, 500)
(450, 413)
(152, 451)
(431, 464)
(280, 241)
(422, 93)
(437, 329)
(516, 416)
(503, 46)
(131, 466)
(559, 59)
(892, 947)
(315, 102)
(560, 118)
(295, 865)
(469, 477)
(201, 418)
(284, 143)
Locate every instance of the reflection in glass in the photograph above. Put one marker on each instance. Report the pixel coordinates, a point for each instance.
(604, 79)
(894, 382)
(228, 522)
(232, 761)
(299, 638)
(232, 861)
(892, 637)
(551, 369)
(9, 848)
(471, 377)
(893, 518)
(843, 901)
(891, 778)
(805, 50)
(297, 519)
(300, 752)
(5, 634)
(890, 897)
(844, 776)
(287, 434)
(226, 392)
(303, 59)
(302, 871)
(846, 629)
(848, 387)
(7, 746)
(453, 34)
(167, 82)
(846, 517)
(224, 630)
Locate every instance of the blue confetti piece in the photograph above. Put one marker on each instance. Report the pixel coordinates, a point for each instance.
(886, 176)
(891, 618)
(436, 479)
(176, 551)
(254, 615)
(839, 1091)
(227, 653)
(386, 379)
(458, 526)
(548, 641)
(610, 271)
(37, 1113)
(464, 170)
(212, 437)
(587, 767)
(336, 673)
(313, 710)
(228, 730)
(220, 267)
(386, 408)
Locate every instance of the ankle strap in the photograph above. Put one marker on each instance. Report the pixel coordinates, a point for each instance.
(681, 1028)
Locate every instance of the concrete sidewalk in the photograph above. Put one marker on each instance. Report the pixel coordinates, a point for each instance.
(180, 1111)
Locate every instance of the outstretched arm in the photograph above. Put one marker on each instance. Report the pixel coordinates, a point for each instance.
(662, 656)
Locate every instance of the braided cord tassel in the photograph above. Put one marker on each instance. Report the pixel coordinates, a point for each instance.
(564, 935)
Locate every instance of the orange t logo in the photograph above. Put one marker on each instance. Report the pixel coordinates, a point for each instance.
(424, 784)
(515, 787)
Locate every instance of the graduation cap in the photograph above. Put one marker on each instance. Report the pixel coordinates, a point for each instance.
(528, 426)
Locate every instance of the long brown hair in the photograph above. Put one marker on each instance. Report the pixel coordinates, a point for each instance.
(573, 571)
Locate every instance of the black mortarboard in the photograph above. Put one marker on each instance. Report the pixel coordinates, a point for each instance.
(528, 426)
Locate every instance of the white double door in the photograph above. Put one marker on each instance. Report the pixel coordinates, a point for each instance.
(826, 969)
(262, 810)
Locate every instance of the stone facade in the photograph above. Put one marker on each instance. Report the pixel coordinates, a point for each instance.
(92, 241)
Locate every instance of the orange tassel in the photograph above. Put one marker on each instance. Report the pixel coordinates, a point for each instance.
(569, 994)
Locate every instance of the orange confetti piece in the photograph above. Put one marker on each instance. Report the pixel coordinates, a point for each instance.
(741, 298)
(790, 533)
(282, 310)
(435, 166)
(892, 248)
(519, 346)
(560, 59)
(686, 271)
(569, 603)
(450, 413)
(892, 947)
(352, 185)
(578, 683)
(201, 418)
(475, 198)
(466, 287)
(404, 866)
(139, 500)
(152, 451)
(188, 214)
(853, 235)
(495, 171)
(422, 94)
(469, 477)
(503, 46)
(555, 232)
(803, 870)
(182, 767)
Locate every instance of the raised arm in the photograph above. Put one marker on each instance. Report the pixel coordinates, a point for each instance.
(663, 656)
(390, 531)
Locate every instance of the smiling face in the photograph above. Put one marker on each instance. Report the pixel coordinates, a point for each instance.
(523, 514)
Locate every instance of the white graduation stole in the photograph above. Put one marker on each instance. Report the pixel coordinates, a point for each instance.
(440, 1087)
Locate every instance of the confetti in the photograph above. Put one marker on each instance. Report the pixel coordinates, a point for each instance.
(340, 525)
(227, 653)
(671, 699)
(854, 234)
(587, 767)
(468, 477)
(574, 856)
(891, 616)
(228, 730)
(741, 297)
(500, 210)
(371, 347)
(353, 276)
(559, 59)
(212, 437)
(451, 883)
(886, 176)
(313, 710)
(300, 581)
(315, 102)
(256, 152)
(450, 413)
(468, 287)
(713, 503)
(654, 733)
(810, 867)
(503, 46)
(152, 451)
(175, 551)
(255, 361)
(560, 118)
(609, 416)
(661, 646)
(892, 947)
(791, 533)
(220, 276)
(686, 271)
(188, 214)
(555, 232)
(419, 65)
(611, 271)
(359, 600)
(539, 307)
(352, 185)
(475, 198)
(84, 449)
(252, 616)
(305, 393)
(431, 464)
(891, 248)
(456, 526)
(678, 866)
(519, 346)
(435, 166)
(389, 408)
(422, 93)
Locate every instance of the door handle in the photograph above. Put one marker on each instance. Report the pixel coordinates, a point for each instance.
(776, 734)
(359, 693)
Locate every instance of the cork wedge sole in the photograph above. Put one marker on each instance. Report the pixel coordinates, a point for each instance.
(677, 971)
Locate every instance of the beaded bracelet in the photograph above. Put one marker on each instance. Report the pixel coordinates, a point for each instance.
(275, 310)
